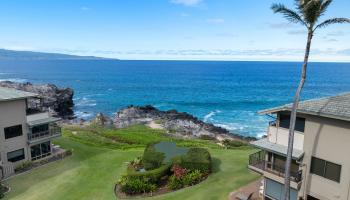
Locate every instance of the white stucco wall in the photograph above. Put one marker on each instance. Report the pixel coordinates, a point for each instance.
(13, 113)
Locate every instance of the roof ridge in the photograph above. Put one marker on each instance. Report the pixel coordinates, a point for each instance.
(336, 106)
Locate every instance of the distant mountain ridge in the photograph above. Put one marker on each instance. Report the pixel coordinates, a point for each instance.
(31, 55)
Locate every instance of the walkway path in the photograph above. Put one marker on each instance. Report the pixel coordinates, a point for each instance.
(247, 190)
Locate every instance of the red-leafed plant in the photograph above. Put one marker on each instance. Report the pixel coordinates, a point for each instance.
(179, 171)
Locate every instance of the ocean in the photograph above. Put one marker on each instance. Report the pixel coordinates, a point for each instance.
(227, 94)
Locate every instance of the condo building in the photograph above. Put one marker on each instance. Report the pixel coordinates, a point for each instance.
(321, 162)
(25, 130)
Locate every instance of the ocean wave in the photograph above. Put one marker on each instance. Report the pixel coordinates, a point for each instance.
(231, 126)
(261, 134)
(17, 80)
(85, 102)
(210, 115)
(83, 115)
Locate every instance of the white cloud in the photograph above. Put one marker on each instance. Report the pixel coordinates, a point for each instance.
(187, 2)
(84, 8)
(216, 21)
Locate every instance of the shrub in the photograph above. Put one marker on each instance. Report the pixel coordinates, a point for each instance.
(136, 163)
(152, 159)
(136, 185)
(196, 159)
(69, 152)
(3, 190)
(175, 183)
(231, 144)
(152, 176)
(178, 171)
(24, 166)
(207, 137)
(189, 178)
(192, 178)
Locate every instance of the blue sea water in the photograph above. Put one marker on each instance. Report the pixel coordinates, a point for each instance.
(228, 94)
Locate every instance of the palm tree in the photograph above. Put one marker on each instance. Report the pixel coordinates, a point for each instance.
(307, 13)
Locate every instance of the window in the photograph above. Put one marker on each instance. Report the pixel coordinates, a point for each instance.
(275, 190)
(40, 150)
(15, 156)
(285, 121)
(40, 128)
(325, 169)
(13, 131)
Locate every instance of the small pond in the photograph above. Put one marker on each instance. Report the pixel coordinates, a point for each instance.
(170, 150)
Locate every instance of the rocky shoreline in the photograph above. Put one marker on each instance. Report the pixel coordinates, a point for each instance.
(59, 101)
(176, 123)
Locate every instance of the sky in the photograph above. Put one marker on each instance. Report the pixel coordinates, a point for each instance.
(169, 30)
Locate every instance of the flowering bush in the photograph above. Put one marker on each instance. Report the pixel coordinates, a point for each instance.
(179, 171)
(183, 177)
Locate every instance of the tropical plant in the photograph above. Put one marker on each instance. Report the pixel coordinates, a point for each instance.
(136, 185)
(178, 171)
(192, 178)
(308, 14)
(175, 183)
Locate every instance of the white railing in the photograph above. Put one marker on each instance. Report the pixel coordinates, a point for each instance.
(53, 131)
(41, 156)
(7, 170)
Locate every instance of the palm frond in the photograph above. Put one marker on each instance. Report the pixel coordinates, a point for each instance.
(311, 11)
(332, 21)
(325, 5)
(289, 14)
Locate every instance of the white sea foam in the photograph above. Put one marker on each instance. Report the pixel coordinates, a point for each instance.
(18, 80)
(229, 126)
(83, 115)
(210, 115)
(261, 134)
(85, 102)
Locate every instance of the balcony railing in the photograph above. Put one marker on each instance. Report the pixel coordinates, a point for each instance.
(258, 160)
(53, 131)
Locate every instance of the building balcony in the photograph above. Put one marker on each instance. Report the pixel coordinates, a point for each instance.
(258, 163)
(53, 132)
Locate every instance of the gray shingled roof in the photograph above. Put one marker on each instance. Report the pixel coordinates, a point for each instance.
(276, 148)
(7, 94)
(337, 107)
(42, 121)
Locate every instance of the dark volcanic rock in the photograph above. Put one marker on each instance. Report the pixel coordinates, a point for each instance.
(102, 120)
(56, 100)
(173, 121)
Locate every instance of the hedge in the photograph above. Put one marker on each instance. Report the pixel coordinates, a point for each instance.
(195, 159)
(152, 159)
(152, 176)
(232, 144)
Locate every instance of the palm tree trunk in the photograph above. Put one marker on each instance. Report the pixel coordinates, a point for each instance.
(293, 117)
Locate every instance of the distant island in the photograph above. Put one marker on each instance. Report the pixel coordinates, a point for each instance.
(31, 55)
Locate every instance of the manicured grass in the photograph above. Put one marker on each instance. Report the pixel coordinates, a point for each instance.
(131, 137)
(95, 167)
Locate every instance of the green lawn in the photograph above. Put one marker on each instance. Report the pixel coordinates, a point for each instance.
(96, 165)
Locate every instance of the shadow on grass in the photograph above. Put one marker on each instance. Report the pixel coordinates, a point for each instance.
(216, 165)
